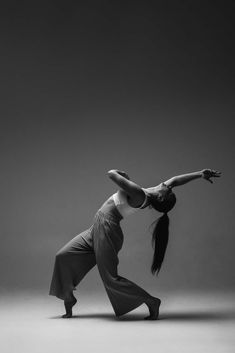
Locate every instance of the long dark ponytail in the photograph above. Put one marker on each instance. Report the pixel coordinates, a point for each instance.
(160, 233)
(160, 237)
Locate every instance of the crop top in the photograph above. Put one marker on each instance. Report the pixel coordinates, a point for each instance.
(120, 200)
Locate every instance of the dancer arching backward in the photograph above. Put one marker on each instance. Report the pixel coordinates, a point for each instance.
(99, 245)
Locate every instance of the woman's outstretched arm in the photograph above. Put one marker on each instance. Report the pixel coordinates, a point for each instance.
(206, 174)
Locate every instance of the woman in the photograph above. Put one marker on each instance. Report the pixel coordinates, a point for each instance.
(99, 245)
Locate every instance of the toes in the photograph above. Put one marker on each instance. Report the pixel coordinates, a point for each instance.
(150, 317)
(66, 316)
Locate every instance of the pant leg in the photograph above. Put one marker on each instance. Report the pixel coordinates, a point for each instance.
(72, 263)
(124, 295)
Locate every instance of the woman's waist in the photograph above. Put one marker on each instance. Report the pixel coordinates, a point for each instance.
(109, 211)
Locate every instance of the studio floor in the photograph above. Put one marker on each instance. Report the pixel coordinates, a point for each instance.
(192, 322)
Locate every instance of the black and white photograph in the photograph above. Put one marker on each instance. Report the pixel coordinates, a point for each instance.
(117, 124)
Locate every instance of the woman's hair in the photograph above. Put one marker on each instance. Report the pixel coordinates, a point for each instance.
(160, 233)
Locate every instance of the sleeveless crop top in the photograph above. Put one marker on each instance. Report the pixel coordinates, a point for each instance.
(120, 200)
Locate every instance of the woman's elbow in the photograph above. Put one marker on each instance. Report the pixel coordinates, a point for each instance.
(111, 172)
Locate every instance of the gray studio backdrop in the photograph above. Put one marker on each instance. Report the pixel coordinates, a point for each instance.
(91, 87)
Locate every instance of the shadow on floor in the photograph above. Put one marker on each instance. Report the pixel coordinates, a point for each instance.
(190, 316)
(199, 316)
(106, 316)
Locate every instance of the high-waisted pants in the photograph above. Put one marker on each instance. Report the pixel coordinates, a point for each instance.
(99, 245)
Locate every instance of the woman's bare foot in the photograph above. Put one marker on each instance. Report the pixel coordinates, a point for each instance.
(153, 306)
(68, 308)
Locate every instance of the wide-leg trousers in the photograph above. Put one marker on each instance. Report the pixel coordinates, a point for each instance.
(99, 245)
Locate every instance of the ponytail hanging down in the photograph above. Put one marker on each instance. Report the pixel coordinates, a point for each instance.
(159, 242)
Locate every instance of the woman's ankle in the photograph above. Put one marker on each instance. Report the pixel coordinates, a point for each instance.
(151, 301)
(69, 297)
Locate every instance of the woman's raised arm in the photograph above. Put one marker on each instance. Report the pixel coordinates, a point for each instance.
(206, 174)
(135, 192)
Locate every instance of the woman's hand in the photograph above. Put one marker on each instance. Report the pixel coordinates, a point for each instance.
(124, 174)
(209, 173)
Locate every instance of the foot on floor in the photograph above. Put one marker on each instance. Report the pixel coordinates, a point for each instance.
(68, 308)
(153, 306)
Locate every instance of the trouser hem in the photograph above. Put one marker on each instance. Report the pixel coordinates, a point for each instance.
(121, 313)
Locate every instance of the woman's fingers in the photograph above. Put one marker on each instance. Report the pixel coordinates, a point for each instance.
(208, 179)
(216, 173)
(210, 173)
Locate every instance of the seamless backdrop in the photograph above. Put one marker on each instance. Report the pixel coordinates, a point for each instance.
(142, 86)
